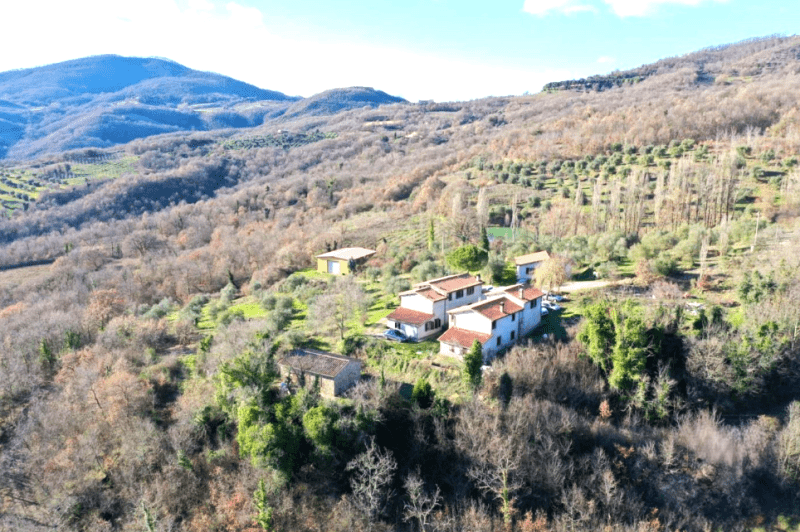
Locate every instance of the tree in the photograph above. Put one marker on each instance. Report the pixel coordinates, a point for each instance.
(473, 360)
(372, 473)
(423, 393)
(420, 503)
(552, 272)
(467, 257)
(344, 302)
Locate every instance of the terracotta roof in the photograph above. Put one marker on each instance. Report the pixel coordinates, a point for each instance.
(451, 283)
(539, 256)
(497, 308)
(347, 254)
(528, 293)
(463, 337)
(406, 315)
(316, 362)
(430, 293)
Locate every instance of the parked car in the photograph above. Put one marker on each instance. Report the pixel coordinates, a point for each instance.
(394, 335)
(553, 307)
(545, 312)
(555, 297)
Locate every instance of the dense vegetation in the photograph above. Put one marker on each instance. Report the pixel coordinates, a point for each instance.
(139, 384)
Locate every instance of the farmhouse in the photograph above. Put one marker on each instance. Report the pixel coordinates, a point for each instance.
(342, 261)
(526, 264)
(423, 309)
(309, 367)
(507, 315)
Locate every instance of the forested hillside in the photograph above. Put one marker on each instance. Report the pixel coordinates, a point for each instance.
(140, 387)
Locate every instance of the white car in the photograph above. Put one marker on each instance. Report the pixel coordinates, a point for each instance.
(545, 312)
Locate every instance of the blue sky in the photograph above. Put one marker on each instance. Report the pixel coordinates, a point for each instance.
(418, 49)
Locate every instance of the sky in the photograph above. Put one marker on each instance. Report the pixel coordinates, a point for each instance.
(443, 50)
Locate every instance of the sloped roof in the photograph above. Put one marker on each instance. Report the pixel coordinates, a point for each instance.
(497, 308)
(530, 258)
(463, 337)
(455, 282)
(347, 254)
(528, 293)
(428, 293)
(406, 315)
(315, 362)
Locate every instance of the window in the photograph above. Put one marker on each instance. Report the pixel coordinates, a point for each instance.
(449, 296)
(499, 339)
(528, 270)
(533, 303)
(459, 294)
(494, 324)
(397, 325)
(427, 326)
(470, 290)
(437, 323)
(512, 335)
(513, 317)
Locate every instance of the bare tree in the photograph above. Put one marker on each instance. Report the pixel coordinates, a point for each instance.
(421, 503)
(372, 473)
(342, 304)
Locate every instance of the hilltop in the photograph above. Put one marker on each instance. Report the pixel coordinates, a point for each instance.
(106, 100)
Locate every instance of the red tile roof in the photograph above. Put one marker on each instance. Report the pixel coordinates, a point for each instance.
(463, 337)
(455, 282)
(528, 293)
(431, 294)
(497, 308)
(406, 315)
(530, 258)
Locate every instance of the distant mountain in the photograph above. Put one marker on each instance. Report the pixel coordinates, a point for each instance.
(105, 100)
(336, 100)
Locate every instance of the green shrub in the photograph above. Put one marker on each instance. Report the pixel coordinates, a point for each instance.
(467, 257)
(423, 393)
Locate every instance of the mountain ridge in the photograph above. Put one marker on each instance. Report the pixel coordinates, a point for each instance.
(105, 100)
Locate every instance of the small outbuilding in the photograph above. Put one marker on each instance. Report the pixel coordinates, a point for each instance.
(342, 261)
(309, 367)
(526, 265)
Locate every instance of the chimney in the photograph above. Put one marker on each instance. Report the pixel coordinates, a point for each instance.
(521, 293)
(478, 277)
(503, 305)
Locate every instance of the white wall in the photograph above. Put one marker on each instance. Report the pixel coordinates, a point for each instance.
(417, 302)
(472, 321)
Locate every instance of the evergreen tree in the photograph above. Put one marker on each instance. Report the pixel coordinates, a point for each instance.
(473, 360)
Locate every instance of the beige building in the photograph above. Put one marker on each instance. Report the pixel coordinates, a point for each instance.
(334, 373)
(342, 261)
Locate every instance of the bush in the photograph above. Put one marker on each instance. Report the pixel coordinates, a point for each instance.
(395, 285)
(423, 393)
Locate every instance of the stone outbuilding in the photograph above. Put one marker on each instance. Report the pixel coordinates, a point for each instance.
(334, 373)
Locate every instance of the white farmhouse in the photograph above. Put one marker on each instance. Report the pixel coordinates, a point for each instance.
(423, 310)
(527, 264)
(507, 315)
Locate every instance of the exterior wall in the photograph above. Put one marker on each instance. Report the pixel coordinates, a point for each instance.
(427, 334)
(322, 266)
(453, 302)
(409, 330)
(452, 350)
(522, 275)
(347, 378)
(418, 303)
(531, 317)
(472, 321)
(503, 331)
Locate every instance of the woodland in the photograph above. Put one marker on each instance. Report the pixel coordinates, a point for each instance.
(147, 291)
